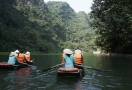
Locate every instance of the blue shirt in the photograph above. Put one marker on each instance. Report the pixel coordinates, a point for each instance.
(12, 60)
(69, 61)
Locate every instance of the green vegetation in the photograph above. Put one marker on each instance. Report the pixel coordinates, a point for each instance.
(43, 27)
(113, 21)
(50, 27)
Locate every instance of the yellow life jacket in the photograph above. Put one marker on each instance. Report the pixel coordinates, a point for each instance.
(79, 59)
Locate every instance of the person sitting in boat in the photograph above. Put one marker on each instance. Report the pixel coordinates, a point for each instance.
(21, 57)
(69, 59)
(12, 58)
(78, 56)
(16, 53)
(63, 54)
(62, 61)
(27, 57)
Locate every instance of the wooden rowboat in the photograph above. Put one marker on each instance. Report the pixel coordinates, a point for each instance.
(5, 65)
(69, 72)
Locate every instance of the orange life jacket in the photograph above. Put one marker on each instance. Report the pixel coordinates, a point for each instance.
(27, 57)
(63, 54)
(79, 59)
(21, 57)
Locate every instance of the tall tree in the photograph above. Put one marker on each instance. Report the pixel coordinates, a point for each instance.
(113, 20)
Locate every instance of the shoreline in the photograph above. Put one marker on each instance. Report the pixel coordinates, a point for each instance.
(111, 54)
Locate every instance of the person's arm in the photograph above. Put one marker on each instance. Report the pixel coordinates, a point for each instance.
(62, 57)
(25, 58)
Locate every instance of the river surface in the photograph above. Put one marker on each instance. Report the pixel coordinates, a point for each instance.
(118, 76)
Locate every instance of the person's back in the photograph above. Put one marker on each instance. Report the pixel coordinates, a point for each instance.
(63, 54)
(12, 58)
(79, 59)
(78, 56)
(69, 59)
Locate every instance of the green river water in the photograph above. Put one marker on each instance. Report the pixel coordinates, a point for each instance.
(31, 78)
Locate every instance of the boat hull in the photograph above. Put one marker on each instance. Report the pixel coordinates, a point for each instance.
(70, 71)
(62, 73)
(5, 65)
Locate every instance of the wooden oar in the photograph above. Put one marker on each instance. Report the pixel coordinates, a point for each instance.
(51, 67)
(96, 69)
(25, 64)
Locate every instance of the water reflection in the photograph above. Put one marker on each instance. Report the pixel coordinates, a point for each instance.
(24, 72)
(18, 79)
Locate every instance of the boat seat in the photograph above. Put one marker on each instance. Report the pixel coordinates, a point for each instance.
(68, 69)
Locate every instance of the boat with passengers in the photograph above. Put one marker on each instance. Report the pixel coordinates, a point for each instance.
(5, 65)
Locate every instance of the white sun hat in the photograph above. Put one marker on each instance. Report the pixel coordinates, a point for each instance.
(78, 51)
(17, 51)
(65, 50)
(12, 53)
(27, 52)
(68, 51)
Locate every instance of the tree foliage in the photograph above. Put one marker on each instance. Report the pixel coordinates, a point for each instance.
(113, 20)
(43, 27)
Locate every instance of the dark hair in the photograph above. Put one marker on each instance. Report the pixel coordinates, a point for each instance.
(21, 51)
(68, 55)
